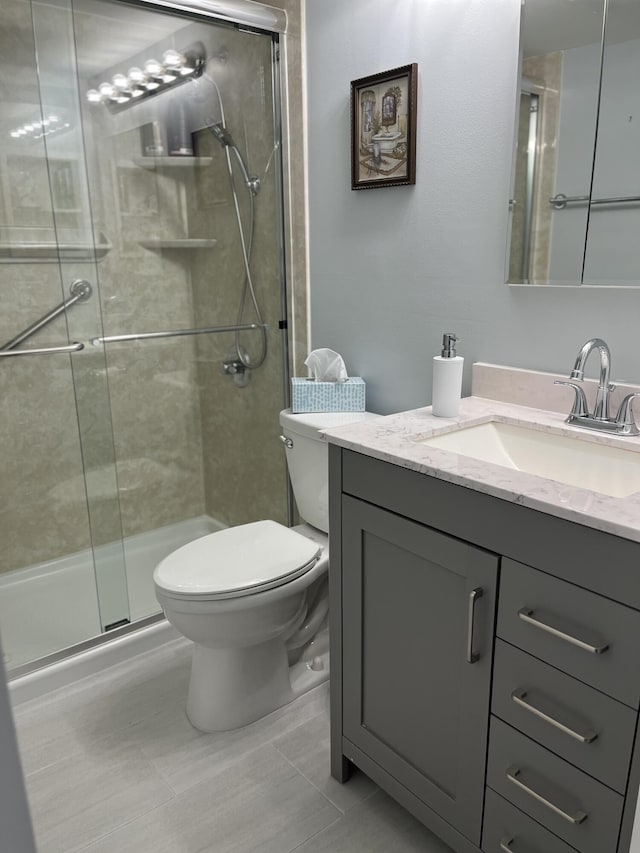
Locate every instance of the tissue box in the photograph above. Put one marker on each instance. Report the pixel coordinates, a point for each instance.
(307, 395)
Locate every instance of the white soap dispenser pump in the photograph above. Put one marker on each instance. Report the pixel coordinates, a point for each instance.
(447, 379)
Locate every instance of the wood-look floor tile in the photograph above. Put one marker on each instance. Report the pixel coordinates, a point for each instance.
(185, 757)
(71, 720)
(307, 748)
(106, 757)
(261, 803)
(378, 825)
(88, 795)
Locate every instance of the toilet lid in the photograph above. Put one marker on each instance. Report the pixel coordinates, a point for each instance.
(237, 561)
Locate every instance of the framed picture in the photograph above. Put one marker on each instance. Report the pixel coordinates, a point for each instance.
(383, 129)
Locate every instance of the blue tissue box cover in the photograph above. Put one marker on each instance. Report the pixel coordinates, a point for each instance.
(307, 395)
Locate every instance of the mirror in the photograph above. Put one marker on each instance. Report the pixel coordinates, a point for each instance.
(574, 214)
(611, 255)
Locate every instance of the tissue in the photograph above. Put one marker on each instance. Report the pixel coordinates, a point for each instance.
(328, 389)
(325, 365)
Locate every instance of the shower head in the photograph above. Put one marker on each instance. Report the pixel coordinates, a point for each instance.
(220, 132)
(222, 135)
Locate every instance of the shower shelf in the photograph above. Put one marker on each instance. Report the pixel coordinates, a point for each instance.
(172, 162)
(39, 245)
(185, 243)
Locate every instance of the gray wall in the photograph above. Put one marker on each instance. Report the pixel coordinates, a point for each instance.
(391, 269)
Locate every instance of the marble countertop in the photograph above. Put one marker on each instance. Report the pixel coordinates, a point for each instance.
(395, 439)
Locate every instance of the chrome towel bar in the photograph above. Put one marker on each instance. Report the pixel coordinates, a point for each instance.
(76, 346)
(560, 201)
(176, 333)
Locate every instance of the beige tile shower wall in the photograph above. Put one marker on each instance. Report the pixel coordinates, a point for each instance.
(243, 458)
(295, 163)
(40, 445)
(153, 384)
(57, 411)
(546, 70)
(157, 396)
(40, 449)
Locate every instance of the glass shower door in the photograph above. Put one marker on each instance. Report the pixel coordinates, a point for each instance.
(181, 144)
(141, 167)
(56, 590)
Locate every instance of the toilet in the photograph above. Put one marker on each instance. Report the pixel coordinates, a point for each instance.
(254, 598)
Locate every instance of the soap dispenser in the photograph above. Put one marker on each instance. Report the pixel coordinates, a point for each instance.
(447, 379)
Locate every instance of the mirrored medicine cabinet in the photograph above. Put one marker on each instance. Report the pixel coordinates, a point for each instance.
(575, 196)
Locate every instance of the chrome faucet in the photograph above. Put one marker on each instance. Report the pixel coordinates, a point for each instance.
(601, 408)
(623, 423)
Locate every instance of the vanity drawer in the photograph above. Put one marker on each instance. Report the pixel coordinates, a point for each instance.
(508, 830)
(580, 724)
(584, 813)
(585, 635)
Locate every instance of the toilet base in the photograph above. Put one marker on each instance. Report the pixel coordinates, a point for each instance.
(230, 688)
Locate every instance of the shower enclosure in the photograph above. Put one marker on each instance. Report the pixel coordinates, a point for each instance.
(143, 348)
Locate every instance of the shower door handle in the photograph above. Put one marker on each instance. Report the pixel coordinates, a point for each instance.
(76, 346)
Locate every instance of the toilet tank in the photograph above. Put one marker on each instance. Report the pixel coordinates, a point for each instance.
(308, 459)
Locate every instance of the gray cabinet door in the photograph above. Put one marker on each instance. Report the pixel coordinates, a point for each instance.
(419, 612)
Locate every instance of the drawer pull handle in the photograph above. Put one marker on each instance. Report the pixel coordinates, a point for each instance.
(526, 614)
(512, 776)
(505, 844)
(519, 696)
(474, 595)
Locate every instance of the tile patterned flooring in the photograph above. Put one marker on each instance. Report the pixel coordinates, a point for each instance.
(112, 764)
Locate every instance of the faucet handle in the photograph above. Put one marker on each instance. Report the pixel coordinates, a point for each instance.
(625, 419)
(580, 408)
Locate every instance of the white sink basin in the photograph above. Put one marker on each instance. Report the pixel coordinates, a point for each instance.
(612, 471)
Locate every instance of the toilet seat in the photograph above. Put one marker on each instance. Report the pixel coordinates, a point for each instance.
(237, 561)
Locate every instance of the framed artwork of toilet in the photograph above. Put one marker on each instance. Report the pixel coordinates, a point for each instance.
(383, 129)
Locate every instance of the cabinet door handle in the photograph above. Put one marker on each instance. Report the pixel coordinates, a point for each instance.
(505, 844)
(512, 775)
(474, 595)
(519, 696)
(526, 614)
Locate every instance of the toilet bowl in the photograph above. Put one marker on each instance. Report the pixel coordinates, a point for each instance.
(254, 598)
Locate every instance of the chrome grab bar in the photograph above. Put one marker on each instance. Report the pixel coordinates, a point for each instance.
(74, 347)
(80, 291)
(560, 201)
(176, 333)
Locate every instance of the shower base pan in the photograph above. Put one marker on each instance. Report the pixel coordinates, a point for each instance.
(52, 606)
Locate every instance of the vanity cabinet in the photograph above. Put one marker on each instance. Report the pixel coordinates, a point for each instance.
(485, 662)
(417, 648)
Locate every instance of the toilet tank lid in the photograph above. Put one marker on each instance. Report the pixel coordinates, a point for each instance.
(310, 423)
(239, 559)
